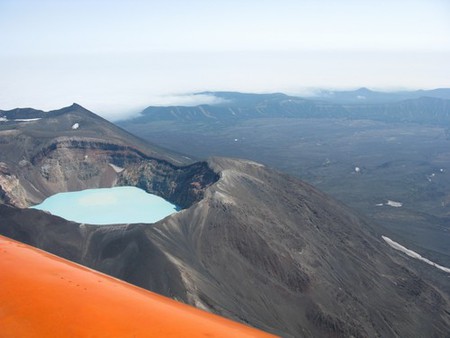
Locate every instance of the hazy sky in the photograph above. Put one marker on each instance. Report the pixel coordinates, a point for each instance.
(116, 57)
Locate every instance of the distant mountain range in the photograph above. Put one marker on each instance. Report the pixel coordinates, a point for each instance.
(432, 107)
(364, 95)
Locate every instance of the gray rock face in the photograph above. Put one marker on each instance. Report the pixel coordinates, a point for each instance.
(250, 243)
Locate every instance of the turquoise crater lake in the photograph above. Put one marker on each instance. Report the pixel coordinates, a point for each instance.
(116, 205)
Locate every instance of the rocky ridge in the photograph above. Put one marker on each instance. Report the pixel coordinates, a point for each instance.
(45, 156)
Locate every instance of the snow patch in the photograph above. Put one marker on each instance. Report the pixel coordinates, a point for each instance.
(27, 120)
(76, 126)
(429, 177)
(394, 204)
(117, 169)
(413, 254)
(4, 119)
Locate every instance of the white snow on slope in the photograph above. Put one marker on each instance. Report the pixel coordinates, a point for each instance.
(27, 120)
(394, 204)
(117, 169)
(76, 126)
(413, 254)
(4, 119)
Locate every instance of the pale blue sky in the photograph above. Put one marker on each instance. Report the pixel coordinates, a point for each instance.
(116, 57)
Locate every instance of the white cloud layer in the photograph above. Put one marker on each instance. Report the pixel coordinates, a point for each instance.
(118, 57)
(187, 100)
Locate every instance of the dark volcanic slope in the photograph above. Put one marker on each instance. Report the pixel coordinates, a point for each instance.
(251, 244)
(268, 249)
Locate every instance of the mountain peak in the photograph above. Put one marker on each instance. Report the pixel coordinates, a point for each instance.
(76, 105)
(363, 90)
